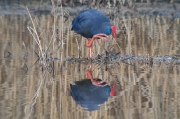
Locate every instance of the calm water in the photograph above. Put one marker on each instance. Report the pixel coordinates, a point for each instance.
(146, 88)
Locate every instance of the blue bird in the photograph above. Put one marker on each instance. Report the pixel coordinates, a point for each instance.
(93, 24)
(90, 96)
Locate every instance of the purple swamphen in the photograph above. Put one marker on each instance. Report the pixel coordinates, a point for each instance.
(90, 96)
(90, 93)
(93, 24)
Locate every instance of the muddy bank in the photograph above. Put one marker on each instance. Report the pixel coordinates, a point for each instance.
(157, 9)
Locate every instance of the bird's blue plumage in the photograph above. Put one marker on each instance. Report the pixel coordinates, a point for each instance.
(89, 96)
(90, 22)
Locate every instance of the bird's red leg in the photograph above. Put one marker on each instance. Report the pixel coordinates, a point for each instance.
(100, 36)
(90, 52)
(89, 43)
(89, 73)
(112, 92)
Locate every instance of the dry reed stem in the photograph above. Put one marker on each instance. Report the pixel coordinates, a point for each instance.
(42, 54)
(36, 37)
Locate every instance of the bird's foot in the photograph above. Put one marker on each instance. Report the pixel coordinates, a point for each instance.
(99, 83)
(103, 37)
(113, 87)
(94, 82)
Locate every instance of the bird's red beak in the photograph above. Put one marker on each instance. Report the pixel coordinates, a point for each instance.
(113, 31)
(113, 87)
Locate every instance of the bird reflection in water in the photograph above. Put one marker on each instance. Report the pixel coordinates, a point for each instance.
(90, 92)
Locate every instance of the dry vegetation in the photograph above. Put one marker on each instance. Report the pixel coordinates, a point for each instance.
(41, 90)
